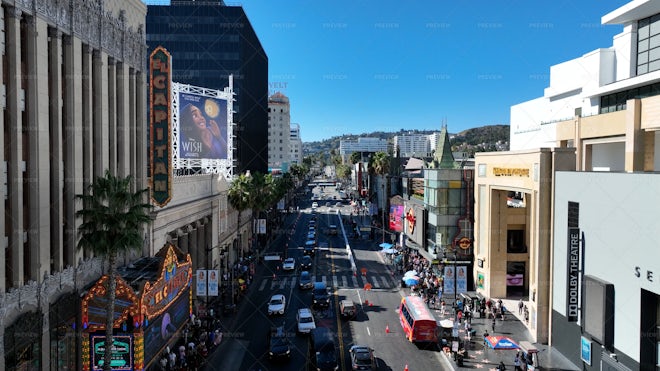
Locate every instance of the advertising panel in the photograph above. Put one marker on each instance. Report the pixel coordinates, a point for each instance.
(162, 329)
(213, 283)
(448, 281)
(202, 127)
(201, 282)
(122, 352)
(396, 218)
(414, 223)
(461, 279)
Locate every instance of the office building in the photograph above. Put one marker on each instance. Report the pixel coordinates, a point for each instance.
(295, 144)
(74, 106)
(412, 145)
(364, 145)
(279, 132)
(208, 42)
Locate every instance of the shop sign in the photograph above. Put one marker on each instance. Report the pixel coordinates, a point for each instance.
(122, 352)
(572, 274)
(464, 243)
(508, 171)
(160, 152)
(175, 278)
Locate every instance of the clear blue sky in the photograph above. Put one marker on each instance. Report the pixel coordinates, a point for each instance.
(357, 66)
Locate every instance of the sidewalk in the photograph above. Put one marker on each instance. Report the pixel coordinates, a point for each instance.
(483, 357)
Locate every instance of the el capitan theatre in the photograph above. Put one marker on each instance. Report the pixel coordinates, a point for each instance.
(148, 313)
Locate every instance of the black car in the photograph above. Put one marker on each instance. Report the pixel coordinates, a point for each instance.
(306, 263)
(279, 346)
(305, 281)
(320, 295)
(362, 358)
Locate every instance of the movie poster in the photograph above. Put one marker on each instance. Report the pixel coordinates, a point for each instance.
(202, 127)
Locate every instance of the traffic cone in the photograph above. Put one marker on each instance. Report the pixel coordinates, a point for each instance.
(387, 330)
(405, 368)
(371, 303)
(366, 301)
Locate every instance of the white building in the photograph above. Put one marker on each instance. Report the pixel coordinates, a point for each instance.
(295, 144)
(366, 144)
(279, 126)
(622, 80)
(413, 145)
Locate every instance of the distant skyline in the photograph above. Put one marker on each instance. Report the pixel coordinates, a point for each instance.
(353, 67)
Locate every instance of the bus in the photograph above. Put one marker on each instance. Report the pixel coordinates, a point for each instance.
(418, 323)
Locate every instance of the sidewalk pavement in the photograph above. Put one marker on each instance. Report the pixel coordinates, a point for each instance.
(481, 356)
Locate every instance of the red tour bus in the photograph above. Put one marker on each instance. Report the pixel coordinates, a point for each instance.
(417, 321)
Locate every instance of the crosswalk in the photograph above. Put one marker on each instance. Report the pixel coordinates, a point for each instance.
(383, 281)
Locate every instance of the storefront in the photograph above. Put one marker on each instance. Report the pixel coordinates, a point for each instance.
(63, 325)
(144, 325)
(22, 342)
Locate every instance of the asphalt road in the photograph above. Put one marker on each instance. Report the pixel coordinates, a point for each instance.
(245, 345)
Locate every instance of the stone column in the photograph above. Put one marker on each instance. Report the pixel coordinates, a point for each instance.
(15, 163)
(55, 131)
(111, 96)
(141, 131)
(87, 117)
(130, 126)
(193, 248)
(634, 156)
(99, 79)
(120, 119)
(3, 180)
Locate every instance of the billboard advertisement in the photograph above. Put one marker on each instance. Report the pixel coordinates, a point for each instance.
(396, 218)
(202, 127)
(160, 155)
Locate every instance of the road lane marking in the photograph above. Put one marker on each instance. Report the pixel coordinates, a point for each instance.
(375, 282)
(334, 282)
(368, 332)
(263, 284)
(386, 283)
(344, 281)
(355, 282)
(323, 280)
(273, 284)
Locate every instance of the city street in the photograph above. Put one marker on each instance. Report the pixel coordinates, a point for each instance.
(376, 324)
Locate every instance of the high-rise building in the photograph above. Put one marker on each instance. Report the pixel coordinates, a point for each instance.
(74, 106)
(364, 145)
(295, 144)
(412, 145)
(279, 131)
(208, 42)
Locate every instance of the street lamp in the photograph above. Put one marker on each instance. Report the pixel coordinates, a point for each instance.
(383, 212)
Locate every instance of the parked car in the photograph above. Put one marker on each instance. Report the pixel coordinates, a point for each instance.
(289, 264)
(305, 321)
(277, 304)
(347, 309)
(279, 345)
(305, 281)
(362, 358)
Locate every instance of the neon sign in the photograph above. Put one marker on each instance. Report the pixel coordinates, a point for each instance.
(174, 278)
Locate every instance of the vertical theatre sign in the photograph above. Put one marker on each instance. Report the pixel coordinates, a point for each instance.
(160, 152)
(572, 271)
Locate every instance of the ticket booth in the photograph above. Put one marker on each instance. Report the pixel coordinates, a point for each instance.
(530, 356)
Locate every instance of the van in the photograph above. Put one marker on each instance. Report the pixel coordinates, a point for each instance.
(322, 350)
(321, 296)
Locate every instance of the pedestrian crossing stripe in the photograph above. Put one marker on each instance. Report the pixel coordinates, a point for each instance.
(282, 282)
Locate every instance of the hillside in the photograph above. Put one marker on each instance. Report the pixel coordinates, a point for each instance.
(482, 139)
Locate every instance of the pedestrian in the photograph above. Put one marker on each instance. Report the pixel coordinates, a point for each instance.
(520, 306)
(501, 366)
(516, 362)
(485, 338)
(442, 307)
(492, 325)
(502, 310)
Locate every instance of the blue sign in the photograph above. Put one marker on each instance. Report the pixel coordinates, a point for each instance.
(585, 350)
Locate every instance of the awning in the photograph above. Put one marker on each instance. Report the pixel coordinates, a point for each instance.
(430, 257)
(385, 245)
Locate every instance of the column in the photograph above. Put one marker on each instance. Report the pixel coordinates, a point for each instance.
(100, 156)
(141, 131)
(193, 247)
(3, 183)
(15, 164)
(72, 143)
(130, 126)
(87, 116)
(55, 130)
(121, 122)
(111, 95)
(634, 157)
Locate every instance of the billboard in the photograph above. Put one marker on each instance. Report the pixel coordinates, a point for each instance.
(396, 218)
(202, 127)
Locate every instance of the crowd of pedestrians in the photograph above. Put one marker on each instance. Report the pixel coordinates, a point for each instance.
(199, 337)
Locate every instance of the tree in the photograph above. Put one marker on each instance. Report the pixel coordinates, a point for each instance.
(379, 164)
(238, 195)
(356, 157)
(112, 221)
(343, 172)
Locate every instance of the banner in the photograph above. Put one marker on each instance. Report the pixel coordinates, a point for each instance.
(213, 283)
(448, 281)
(461, 279)
(201, 282)
(202, 127)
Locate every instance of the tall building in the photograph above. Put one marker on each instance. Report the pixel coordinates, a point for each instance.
(208, 42)
(295, 144)
(74, 106)
(279, 131)
(365, 145)
(412, 145)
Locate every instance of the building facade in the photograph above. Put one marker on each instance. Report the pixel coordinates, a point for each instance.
(279, 131)
(74, 107)
(603, 103)
(295, 144)
(513, 227)
(208, 42)
(413, 145)
(364, 145)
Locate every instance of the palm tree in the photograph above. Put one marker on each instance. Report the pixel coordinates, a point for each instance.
(112, 221)
(379, 164)
(239, 197)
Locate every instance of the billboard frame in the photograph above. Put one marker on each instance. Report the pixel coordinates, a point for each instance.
(224, 167)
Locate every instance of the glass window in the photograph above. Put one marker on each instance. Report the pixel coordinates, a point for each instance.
(655, 65)
(643, 45)
(643, 58)
(654, 41)
(642, 69)
(643, 29)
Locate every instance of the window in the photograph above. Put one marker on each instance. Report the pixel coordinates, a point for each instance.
(648, 45)
(515, 242)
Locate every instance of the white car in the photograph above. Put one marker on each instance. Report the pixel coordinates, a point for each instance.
(315, 205)
(305, 321)
(289, 264)
(311, 235)
(277, 304)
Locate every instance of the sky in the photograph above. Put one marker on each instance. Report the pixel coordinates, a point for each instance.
(357, 66)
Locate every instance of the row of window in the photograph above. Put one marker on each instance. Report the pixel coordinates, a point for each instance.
(617, 101)
(648, 44)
